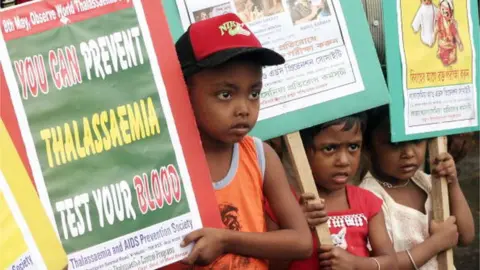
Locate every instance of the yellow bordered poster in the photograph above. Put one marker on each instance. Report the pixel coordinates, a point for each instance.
(432, 51)
(12, 245)
(28, 240)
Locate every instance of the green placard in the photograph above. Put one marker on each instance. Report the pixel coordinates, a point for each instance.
(173, 18)
(434, 88)
(107, 142)
(72, 118)
(329, 85)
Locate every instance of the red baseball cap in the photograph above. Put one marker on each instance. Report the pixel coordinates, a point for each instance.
(212, 42)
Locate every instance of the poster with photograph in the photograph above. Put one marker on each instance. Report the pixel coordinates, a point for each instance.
(313, 36)
(210, 12)
(115, 156)
(321, 64)
(439, 61)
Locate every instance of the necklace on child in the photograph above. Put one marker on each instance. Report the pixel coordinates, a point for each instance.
(388, 185)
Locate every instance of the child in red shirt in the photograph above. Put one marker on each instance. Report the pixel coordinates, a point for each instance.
(333, 150)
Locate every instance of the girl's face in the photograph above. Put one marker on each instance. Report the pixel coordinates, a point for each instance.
(427, 2)
(445, 10)
(335, 155)
(399, 161)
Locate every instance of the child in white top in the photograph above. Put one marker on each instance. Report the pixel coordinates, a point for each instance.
(396, 178)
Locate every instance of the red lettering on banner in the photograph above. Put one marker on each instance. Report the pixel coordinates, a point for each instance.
(21, 68)
(151, 202)
(32, 75)
(66, 76)
(157, 188)
(53, 62)
(167, 193)
(175, 180)
(72, 60)
(139, 188)
(42, 79)
(65, 67)
(164, 186)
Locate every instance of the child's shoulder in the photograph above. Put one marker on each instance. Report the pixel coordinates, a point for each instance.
(361, 192)
(422, 175)
(370, 183)
(366, 201)
(423, 180)
(252, 143)
(253, 149)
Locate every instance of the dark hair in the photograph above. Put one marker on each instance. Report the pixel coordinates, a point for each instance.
(376, 117)
(349, 122)
(448, 3)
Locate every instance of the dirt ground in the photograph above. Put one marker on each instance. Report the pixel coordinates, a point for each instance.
(468, 257)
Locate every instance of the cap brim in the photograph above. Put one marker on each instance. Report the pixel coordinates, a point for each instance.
(263, 56)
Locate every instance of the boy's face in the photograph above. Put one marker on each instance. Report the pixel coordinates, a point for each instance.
(225, 100)
(399, 161)
(335, 156)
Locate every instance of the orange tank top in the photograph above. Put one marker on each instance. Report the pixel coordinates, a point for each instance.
(240, 199)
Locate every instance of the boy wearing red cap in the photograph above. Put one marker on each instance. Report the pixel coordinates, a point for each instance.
(222, 64)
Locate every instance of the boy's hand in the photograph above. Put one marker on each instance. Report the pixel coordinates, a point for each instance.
(313, 209)
(444, 166)
(335, 258)
(445, 233)
(209, 245)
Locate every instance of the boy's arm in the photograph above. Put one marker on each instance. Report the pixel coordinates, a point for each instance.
(293, 241)
(275, 264)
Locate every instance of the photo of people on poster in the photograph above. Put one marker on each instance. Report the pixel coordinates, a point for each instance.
(211, 12)
(439, 29)
(251, 10)
(303, 11)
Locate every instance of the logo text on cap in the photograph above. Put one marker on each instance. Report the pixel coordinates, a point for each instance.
(233, 28)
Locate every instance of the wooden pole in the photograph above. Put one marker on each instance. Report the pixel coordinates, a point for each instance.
(440, 200)
(304, 177)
